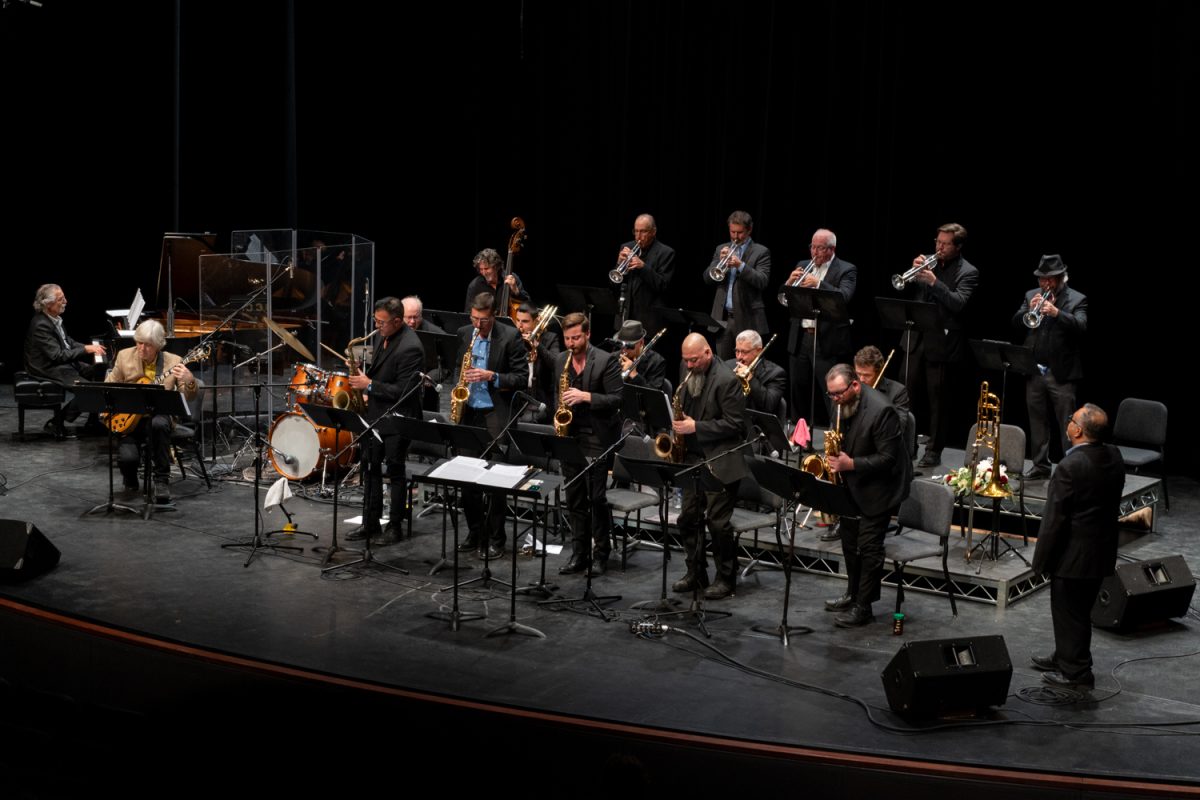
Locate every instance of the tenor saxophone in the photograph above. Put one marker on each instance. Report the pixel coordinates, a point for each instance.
(563, 416)
(669, 446)
(352, 399)
(460, 393)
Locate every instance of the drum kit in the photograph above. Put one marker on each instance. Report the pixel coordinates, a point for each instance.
(308, 447)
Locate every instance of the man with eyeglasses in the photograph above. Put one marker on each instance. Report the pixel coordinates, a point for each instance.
(414, 317)
(714, 421)
(877, 472)
(1077, 543)
(938, 359)
(833, 339)
(738, 300)
(393, 372)
(648, 273)
(768, 384)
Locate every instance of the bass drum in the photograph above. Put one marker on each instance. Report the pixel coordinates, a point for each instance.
(296, 446)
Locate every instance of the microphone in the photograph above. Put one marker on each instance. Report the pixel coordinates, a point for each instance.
(290, 460)
(535, 405)
(437, 387)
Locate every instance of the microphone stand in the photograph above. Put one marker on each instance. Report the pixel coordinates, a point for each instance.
(697, 611)
(590, 597)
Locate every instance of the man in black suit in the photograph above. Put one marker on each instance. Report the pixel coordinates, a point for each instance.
(648, 275)
(877, 473)
(414, 317)
(394, 371)
(768, 384)
(714, 421)
(651, 370)
(939, 358)
(51, 354)
(868, 366)
(490, 267)
(1061, 315)
(738, 301)
(833, 339)
(1077, 542)
(593, 396)
(540, 381)
(498, 368)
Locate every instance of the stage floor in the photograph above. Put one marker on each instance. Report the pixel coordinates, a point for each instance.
(168, 579)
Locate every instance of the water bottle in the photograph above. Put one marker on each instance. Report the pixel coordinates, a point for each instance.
(677, 500)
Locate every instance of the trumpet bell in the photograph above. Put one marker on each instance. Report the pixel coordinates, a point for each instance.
(616, 275)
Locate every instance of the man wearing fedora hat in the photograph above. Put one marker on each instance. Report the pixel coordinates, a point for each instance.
(1058, 314)
(651, 370)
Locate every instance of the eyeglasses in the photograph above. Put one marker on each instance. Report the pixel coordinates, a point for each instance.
(840, 392)
(1071, 419)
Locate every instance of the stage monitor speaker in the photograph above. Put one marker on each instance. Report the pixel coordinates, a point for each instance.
(24, 552)
(942, 677)
(1144, 591)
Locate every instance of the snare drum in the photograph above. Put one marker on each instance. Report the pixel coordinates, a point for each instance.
(296, 446)
(306, 385)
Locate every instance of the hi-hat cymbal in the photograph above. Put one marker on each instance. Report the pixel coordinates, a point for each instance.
(288, 338)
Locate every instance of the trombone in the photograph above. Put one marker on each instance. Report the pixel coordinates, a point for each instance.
(719, 271)
(1033, 319)
(617, 275)
(633, 366)
(782, 297)
(900, 281)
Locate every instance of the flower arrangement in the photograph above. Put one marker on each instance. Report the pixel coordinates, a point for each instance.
(960, 480)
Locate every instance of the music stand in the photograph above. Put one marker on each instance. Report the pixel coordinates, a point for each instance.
(789, 484)
(651, 407)
(440, 351)
(693, 320)
(587, 299)
(909, 316)
(661, 476)
(449, 321)
(770, 426)
(115, 398)
(540, 445)
(1004, 357)
(819, 305)
(419, 430)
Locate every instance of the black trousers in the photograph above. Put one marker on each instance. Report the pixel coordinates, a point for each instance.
(484, 511)
(158, 430)
(937, 386)
(392, 452)
(1049, 402)
(718, 509)
(862, 550)
(801, 370)
(1071, 601)
(587, 503)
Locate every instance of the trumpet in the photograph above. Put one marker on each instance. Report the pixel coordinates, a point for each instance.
(900, 281)
(617, 275)
(1033, 318)
(626, 372)
(719, 271)
(782, 298)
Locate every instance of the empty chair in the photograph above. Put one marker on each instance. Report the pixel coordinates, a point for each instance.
(924, 532)
(1140, 432)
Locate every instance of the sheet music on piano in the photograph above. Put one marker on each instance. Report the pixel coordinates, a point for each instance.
(129, 316)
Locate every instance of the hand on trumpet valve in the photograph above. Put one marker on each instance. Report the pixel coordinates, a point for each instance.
(684, 425)
(1046, 306)
(477, 375)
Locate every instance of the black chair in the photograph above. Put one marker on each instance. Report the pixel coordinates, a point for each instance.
(751, 519)
(36, 394)
(1142, 426)
(924, 532)
(184, 435)
(629, 501)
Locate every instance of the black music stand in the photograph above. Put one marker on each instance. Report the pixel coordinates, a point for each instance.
(649, 407)
(770, 426)
(419, 430)
(542, 446)
(661, 476)
(908, 317)
(119, 398)
(449, 321)
(703, 481)
(1004, 357)
(819, 305)
(587, 299)
(692, 320)
(440, 352)
(466, 440)
(789, 484)
(567, 452)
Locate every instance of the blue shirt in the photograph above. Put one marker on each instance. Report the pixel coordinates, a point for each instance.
(733, 273)
(478, 394)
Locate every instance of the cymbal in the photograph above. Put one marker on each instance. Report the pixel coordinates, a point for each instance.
(288, 338)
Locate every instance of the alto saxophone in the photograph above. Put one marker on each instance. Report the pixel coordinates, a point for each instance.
(670, 446)
(563, 416)
(460, 393)
(818, 465)
(352, 399)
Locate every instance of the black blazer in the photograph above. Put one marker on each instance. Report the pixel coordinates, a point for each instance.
(45, 356)
(896, 394)
(720, 414)
(479, 285)
(767, 387)
(602, 377)
(644, 287)
(956, 282)
(882, 470)
(1056, 342)
(1078, 533)
(834, 338)
(749, 312)
(507, 357)
(651, 371)
(395, 370)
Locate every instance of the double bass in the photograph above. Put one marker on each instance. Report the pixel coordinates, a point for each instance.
(503, 301)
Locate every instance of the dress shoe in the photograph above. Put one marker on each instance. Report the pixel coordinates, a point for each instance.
(1036, 474)
(854, 617)
(832, 534)
(599, 565)
(1044, 663)
(687, 583)
(362, 532)
(389, 536)
(575, 565)
(841, 604)
(162, 491)
(467, 545)
(1087, 680)
(718, 591)
(930, 458)
(492, 552)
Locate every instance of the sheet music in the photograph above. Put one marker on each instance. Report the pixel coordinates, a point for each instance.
(129, 316)
(476, 470)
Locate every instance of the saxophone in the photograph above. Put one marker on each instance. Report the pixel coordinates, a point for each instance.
(563, 416)
(460, 393)
(352, 399)
(668, 445)
(818, 465)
